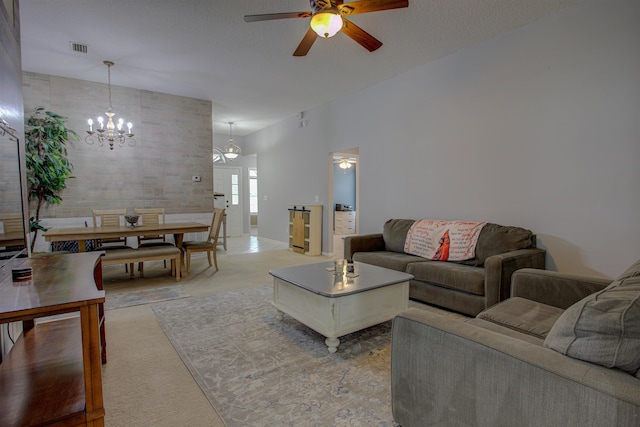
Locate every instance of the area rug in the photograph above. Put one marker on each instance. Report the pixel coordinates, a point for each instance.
(257, 370)
(145, 296)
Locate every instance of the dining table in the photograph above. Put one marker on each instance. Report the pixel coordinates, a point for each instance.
(82, 234)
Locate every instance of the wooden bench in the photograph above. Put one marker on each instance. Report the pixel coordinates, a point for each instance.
(144, 254)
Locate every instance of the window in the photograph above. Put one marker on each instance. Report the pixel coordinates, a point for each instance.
(235, 189)
(253, 190)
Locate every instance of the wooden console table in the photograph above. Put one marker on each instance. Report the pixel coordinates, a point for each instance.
(53, 375)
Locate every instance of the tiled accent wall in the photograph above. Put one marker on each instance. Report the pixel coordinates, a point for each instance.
(174, 141)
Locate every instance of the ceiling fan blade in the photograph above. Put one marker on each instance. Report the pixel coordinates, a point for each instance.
(306, 43)
(363, 38)
(366, 6)
(270, 16)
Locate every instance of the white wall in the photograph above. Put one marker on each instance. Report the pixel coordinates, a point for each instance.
(538, 128)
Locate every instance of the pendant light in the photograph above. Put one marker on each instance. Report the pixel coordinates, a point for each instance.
(231, 150)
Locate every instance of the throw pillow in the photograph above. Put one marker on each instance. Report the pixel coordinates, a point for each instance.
(603, 328)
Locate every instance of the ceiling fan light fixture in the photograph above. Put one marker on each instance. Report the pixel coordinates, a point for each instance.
(344, 164)
(326, 23)
(327, 20)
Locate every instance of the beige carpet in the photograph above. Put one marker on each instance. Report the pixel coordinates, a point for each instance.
(145, 383)
(146, 296)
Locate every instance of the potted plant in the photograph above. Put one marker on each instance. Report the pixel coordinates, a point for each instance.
(48, 167)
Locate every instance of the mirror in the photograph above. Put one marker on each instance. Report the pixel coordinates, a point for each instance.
(12, 236)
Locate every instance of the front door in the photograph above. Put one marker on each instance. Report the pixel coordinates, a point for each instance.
(227, 180)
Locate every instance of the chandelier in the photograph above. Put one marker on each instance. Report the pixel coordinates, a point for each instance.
(231, 150)
(112, 133)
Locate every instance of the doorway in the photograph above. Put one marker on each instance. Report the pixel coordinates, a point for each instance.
(344, 194)
(228, 181)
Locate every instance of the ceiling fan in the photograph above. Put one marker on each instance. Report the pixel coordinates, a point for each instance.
(328, 18)
(345, 163)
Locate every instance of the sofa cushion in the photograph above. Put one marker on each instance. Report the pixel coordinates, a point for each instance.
(604, 327)
(450, 275)
(392, 260)
(523, 315)
(503, 330)
(394, 234)
(497, 239)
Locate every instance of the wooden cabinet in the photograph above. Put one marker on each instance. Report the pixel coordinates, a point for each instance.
(344, 222)
(305, 228)
(53, 373)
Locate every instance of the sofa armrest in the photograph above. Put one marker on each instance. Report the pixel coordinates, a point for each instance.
(447, 372)
(363, 243)
(498, 270)
(560, 290)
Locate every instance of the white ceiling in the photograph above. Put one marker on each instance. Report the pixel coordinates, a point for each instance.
(203, 48)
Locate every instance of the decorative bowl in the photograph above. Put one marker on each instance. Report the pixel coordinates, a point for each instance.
(132, 219)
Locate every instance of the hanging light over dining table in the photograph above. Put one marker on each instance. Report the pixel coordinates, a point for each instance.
(231, 150)
(110, 132)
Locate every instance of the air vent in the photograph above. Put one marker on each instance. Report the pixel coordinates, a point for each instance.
(78, 47)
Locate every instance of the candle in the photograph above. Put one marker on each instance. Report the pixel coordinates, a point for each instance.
(90, 125)
(129, 125)
(101, 122)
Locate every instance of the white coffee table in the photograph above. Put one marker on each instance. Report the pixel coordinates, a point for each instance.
(338, 304)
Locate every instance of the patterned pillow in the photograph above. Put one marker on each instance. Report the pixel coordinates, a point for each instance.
(603, 328)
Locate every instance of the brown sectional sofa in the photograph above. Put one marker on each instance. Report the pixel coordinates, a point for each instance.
(467, 286)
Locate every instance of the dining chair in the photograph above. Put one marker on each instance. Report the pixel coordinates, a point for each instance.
(110, 218)
(12, 223)
(151, 216)
(210, 245)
